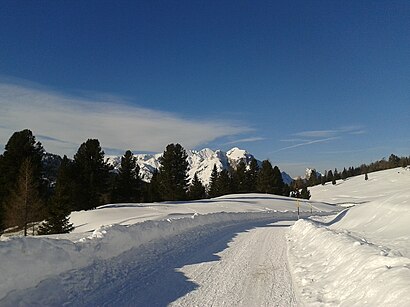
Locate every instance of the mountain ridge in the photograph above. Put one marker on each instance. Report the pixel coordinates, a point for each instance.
(200, 162)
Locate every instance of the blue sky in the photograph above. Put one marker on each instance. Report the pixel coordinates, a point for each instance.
(320, 84)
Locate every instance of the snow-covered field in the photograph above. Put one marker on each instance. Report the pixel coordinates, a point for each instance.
(228, 251)
(362, 256)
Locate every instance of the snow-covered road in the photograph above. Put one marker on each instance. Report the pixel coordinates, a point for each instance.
(252, 271)
(237, 265)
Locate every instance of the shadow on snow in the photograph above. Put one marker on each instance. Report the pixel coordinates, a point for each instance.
(143, 276)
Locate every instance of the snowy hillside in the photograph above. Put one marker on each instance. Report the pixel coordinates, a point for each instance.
(362, 256)
(200, 162)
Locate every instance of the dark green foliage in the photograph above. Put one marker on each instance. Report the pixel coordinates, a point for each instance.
(213, 183)
(336, 175)
(265, 182)
(224, 183)
(127, 184)
(251, 176)
(323, 179)
(21, 146)
(330, 177)
(196, 190)
(239, 179)
(286, 190)
(394, 161)
(151, 190)
(57, 220)
(173, 173)
(314, 178)
(344, 174)
(305, 193)
(277, 181)
(92, 175)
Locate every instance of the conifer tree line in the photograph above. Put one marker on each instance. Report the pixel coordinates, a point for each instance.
(33, 190)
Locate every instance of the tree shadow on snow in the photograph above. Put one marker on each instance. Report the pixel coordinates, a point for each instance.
(144, 276)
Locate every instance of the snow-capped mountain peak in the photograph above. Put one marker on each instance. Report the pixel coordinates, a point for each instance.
(201, 162)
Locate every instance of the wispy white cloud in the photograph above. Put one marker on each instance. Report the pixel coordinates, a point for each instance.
(310, 137)
(62, 122)
(317, 133)
(246, 140)
(306, 143)
(353, 129)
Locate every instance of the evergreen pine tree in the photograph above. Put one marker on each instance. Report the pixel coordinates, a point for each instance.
(277, 181)
(344, 174)
(213, 183)
(127, 186)
(239, 182)
(323, 179)
(330, 177)
(224, 186)
(196, 190)
(173, 173)
(266, 178)
(21, 146)
(251, 176)
(336, 175)
(305, 193)
(92, 176)
(151, 190)
(57, 220)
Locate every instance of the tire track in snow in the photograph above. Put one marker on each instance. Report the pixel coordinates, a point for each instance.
(253, 271)
(233, 265)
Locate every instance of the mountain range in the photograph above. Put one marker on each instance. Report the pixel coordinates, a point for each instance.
(200, 162)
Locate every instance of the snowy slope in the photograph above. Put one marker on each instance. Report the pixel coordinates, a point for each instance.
(362, 256)
(200, 162)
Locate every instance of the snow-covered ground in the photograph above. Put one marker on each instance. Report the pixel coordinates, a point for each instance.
(236, 250)
(362, 256)
(114, 246)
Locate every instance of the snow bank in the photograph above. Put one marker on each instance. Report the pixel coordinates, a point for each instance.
(384, 222)
(25, 261)
(334, 268)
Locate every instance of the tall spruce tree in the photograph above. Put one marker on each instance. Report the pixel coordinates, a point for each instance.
(323, 178)
(127, 186)
(305, 193)
(251, 176)
(21, 146)
(58, 220)
(92, 175)
(266, 178)
(213, 183)
(196, 190)
(239, 182)
(278, 184)
(151, 190)
(330, 177)
(24, 205)
(173, 173)
(224, 185)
